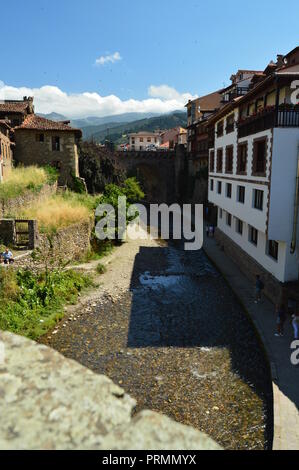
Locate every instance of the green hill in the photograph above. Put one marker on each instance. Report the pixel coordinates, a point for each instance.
(117, 133)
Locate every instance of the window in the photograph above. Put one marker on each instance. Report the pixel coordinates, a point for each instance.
(149, 139)
(219, 160)
(220, 213)
(230, 123)
(40, 138)
(219, 187)
(258, 199)
(220, 129)
(259, 157)
(228, 219)
(56, 144)
(239, 226)
(212, 185)
(212, 162)
(141, 139)
(133, 141)
(241, 194)
(242, 159)
(229, 157)
(228, 190)
(253, 235)
(272, 249)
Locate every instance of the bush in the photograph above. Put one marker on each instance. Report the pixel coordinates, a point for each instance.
(131, 189)
(101, 269)
(30, 303)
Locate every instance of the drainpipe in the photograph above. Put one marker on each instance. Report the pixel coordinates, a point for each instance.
(296, 207)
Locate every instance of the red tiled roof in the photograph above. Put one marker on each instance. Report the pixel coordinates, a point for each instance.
(210, 102)
(39, 123)
(14, 106)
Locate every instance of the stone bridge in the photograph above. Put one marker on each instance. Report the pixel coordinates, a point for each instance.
(157, 171)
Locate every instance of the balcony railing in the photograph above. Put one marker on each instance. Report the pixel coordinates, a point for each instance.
(238, 91)
(267, 118)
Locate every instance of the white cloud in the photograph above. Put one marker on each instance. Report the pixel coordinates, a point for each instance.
(110, 58)
(47, 99)
(166, 92)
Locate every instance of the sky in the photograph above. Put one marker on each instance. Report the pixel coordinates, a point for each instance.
(103, 57)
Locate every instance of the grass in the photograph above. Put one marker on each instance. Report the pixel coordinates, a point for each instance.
(31, 304)
(101, 269)
(23, 179)
(55, 213)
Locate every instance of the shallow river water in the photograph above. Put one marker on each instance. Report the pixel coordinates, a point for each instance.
(180, 343)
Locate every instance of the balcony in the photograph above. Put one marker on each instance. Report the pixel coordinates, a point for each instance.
(238, 91)
(268, 118)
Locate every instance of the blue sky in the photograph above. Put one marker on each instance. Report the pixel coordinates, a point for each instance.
(191, 46)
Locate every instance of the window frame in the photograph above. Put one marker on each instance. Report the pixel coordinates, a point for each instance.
(258, 199)
(252, 239)
(229, 190)
(274, 255)
(241, 171)
(229, 158)
(255, 170)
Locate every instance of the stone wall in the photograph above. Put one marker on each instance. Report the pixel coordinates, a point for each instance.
(29, 151)
(69, 243)
(274, 290)
(49, 402)
(11, 206)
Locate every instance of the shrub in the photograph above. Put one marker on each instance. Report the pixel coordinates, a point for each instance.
(101, 269)
(30, 303)
(131, 189)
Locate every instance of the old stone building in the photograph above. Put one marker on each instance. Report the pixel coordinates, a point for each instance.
(5, 150)
(40, 141)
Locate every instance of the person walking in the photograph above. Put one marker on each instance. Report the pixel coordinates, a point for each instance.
(281, 318)
(295, 323)
(259, 286)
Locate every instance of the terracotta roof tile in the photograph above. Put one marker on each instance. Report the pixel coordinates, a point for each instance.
(14, 106)
(42, 124)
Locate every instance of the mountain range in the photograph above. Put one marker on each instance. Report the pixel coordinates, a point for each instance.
(116, 128)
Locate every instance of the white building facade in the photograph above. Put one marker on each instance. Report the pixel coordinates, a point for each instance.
(140, 141)
(253, 171)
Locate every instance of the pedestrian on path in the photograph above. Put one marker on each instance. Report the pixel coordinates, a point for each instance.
(295, 323)
(259, 287)
(281, 318)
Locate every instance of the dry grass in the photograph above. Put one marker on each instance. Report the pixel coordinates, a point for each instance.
(55, 213)
(22, 179)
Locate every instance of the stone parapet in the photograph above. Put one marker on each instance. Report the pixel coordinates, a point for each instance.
(51, 402)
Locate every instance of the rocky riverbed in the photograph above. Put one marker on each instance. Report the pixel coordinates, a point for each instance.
(165, 326)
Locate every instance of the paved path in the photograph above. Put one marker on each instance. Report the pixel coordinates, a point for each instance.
(285, 376)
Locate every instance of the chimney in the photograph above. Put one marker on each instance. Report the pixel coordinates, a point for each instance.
(280, 61)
